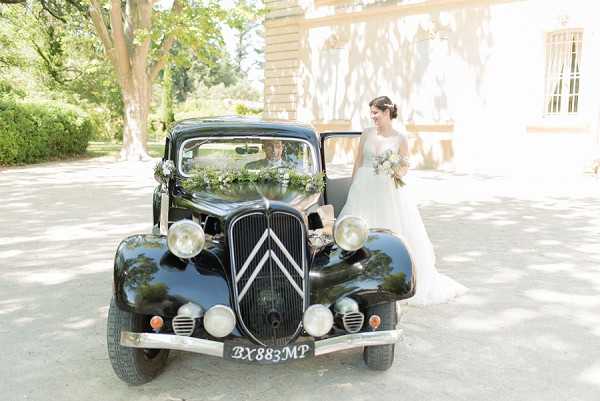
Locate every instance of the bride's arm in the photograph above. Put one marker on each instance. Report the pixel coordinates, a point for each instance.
(359, 154)
(403, 150)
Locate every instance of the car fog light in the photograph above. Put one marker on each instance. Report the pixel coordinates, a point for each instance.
(190, 310)
(318, 320)
(185, 239)
(346, 305)
(156, 323)
(350, 233)
(375, 322)
(219, 321)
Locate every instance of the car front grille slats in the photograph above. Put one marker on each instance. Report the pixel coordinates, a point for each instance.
(353, 321)
(184, 325)
(269, 272)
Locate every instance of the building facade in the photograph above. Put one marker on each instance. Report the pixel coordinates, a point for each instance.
(481, 85)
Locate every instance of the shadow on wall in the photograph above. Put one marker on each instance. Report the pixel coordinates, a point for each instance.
(432, 65)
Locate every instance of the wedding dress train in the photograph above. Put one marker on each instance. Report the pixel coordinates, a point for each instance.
(376, 199)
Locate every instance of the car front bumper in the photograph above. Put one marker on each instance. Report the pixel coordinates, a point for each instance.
(215, 348)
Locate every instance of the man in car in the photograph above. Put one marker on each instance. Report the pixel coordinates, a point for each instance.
(273, 149)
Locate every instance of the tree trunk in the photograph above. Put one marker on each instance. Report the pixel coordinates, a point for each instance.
(136, 103)
(131, 62)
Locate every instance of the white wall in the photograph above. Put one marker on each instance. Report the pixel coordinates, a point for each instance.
(480, 67)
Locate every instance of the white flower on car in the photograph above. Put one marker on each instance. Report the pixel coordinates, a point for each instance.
(386, 165)
(394, 158)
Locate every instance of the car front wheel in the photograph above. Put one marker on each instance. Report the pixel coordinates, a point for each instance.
(381, 357)
(133, 365)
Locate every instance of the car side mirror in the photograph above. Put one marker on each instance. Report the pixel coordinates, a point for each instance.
(164, 171)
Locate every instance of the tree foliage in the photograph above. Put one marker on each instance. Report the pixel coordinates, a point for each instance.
(38, 132)
(246, 20)
(168, 116)
(103, 55)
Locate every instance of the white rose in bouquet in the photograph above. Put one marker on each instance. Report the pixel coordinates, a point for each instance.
(391, 164)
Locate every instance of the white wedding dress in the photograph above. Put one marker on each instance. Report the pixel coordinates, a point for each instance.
(376, 199)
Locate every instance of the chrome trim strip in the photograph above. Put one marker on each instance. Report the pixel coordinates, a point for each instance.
(250, 258)
(163, 222)
(169, 341)
(286, 273)
(367, 339)
(215, 348)
(254, 274)
(251, 137)
(305, 268)
(286, 253)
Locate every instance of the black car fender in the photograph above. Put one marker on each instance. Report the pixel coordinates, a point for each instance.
(382, 271)
(150, 280)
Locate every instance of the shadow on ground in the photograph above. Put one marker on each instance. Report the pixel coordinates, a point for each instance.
(529, 328)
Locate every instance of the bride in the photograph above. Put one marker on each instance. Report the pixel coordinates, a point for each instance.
(392, 207)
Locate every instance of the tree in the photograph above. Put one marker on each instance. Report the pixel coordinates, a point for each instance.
(51, 51)
(168, 116)
(137, 39)
(246, 20)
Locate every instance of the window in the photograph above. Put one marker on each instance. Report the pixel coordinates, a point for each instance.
(250, 152)
(563, 61)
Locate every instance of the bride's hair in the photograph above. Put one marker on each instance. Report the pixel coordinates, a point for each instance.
(384, 103)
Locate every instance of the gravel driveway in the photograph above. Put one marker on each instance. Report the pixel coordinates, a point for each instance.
(529, 328)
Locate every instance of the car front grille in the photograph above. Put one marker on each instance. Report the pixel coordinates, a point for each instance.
(269, 271)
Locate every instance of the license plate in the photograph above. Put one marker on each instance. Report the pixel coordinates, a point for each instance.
(251, 353)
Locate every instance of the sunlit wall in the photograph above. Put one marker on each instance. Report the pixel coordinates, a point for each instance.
(471, 78)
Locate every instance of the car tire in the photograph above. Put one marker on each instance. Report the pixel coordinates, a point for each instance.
(134, 366)
(381, 357)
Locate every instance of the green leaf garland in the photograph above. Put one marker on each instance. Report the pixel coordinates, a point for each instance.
(211, 178)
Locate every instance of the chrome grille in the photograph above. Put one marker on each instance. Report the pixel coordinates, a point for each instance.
(269, 271)
(184, 325)
(353, 321)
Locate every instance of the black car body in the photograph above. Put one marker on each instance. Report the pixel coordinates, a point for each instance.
(266, 258)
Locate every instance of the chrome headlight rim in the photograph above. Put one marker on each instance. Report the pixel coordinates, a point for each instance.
(324, 319)
(179, 228)
(224, 331)
(341, 242)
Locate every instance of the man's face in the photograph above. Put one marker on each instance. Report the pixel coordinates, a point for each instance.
(273, 150)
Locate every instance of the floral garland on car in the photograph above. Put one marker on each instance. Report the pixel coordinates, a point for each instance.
(163, 171)
(212, 178)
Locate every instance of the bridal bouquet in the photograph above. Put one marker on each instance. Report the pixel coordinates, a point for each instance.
(390, 163)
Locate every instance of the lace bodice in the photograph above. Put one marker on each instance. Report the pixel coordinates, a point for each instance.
(375, 145)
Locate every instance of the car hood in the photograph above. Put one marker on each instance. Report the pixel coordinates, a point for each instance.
(225, 201)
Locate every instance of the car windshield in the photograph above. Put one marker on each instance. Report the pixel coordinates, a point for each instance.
(252, 153)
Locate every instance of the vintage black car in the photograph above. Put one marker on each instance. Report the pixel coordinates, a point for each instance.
(247, 261)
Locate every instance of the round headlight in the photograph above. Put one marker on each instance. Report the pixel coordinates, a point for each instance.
(346, 305)
(350, 233)
(219, 321)
(318, 320)
(185, 239)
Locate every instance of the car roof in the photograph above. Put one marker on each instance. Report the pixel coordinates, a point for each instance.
(221, 125)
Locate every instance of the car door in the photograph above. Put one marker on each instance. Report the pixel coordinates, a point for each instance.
(338, 152)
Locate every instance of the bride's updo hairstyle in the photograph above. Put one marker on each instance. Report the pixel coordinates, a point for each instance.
(384, 103)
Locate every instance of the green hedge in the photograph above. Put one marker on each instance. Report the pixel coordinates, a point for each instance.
(32, 133)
